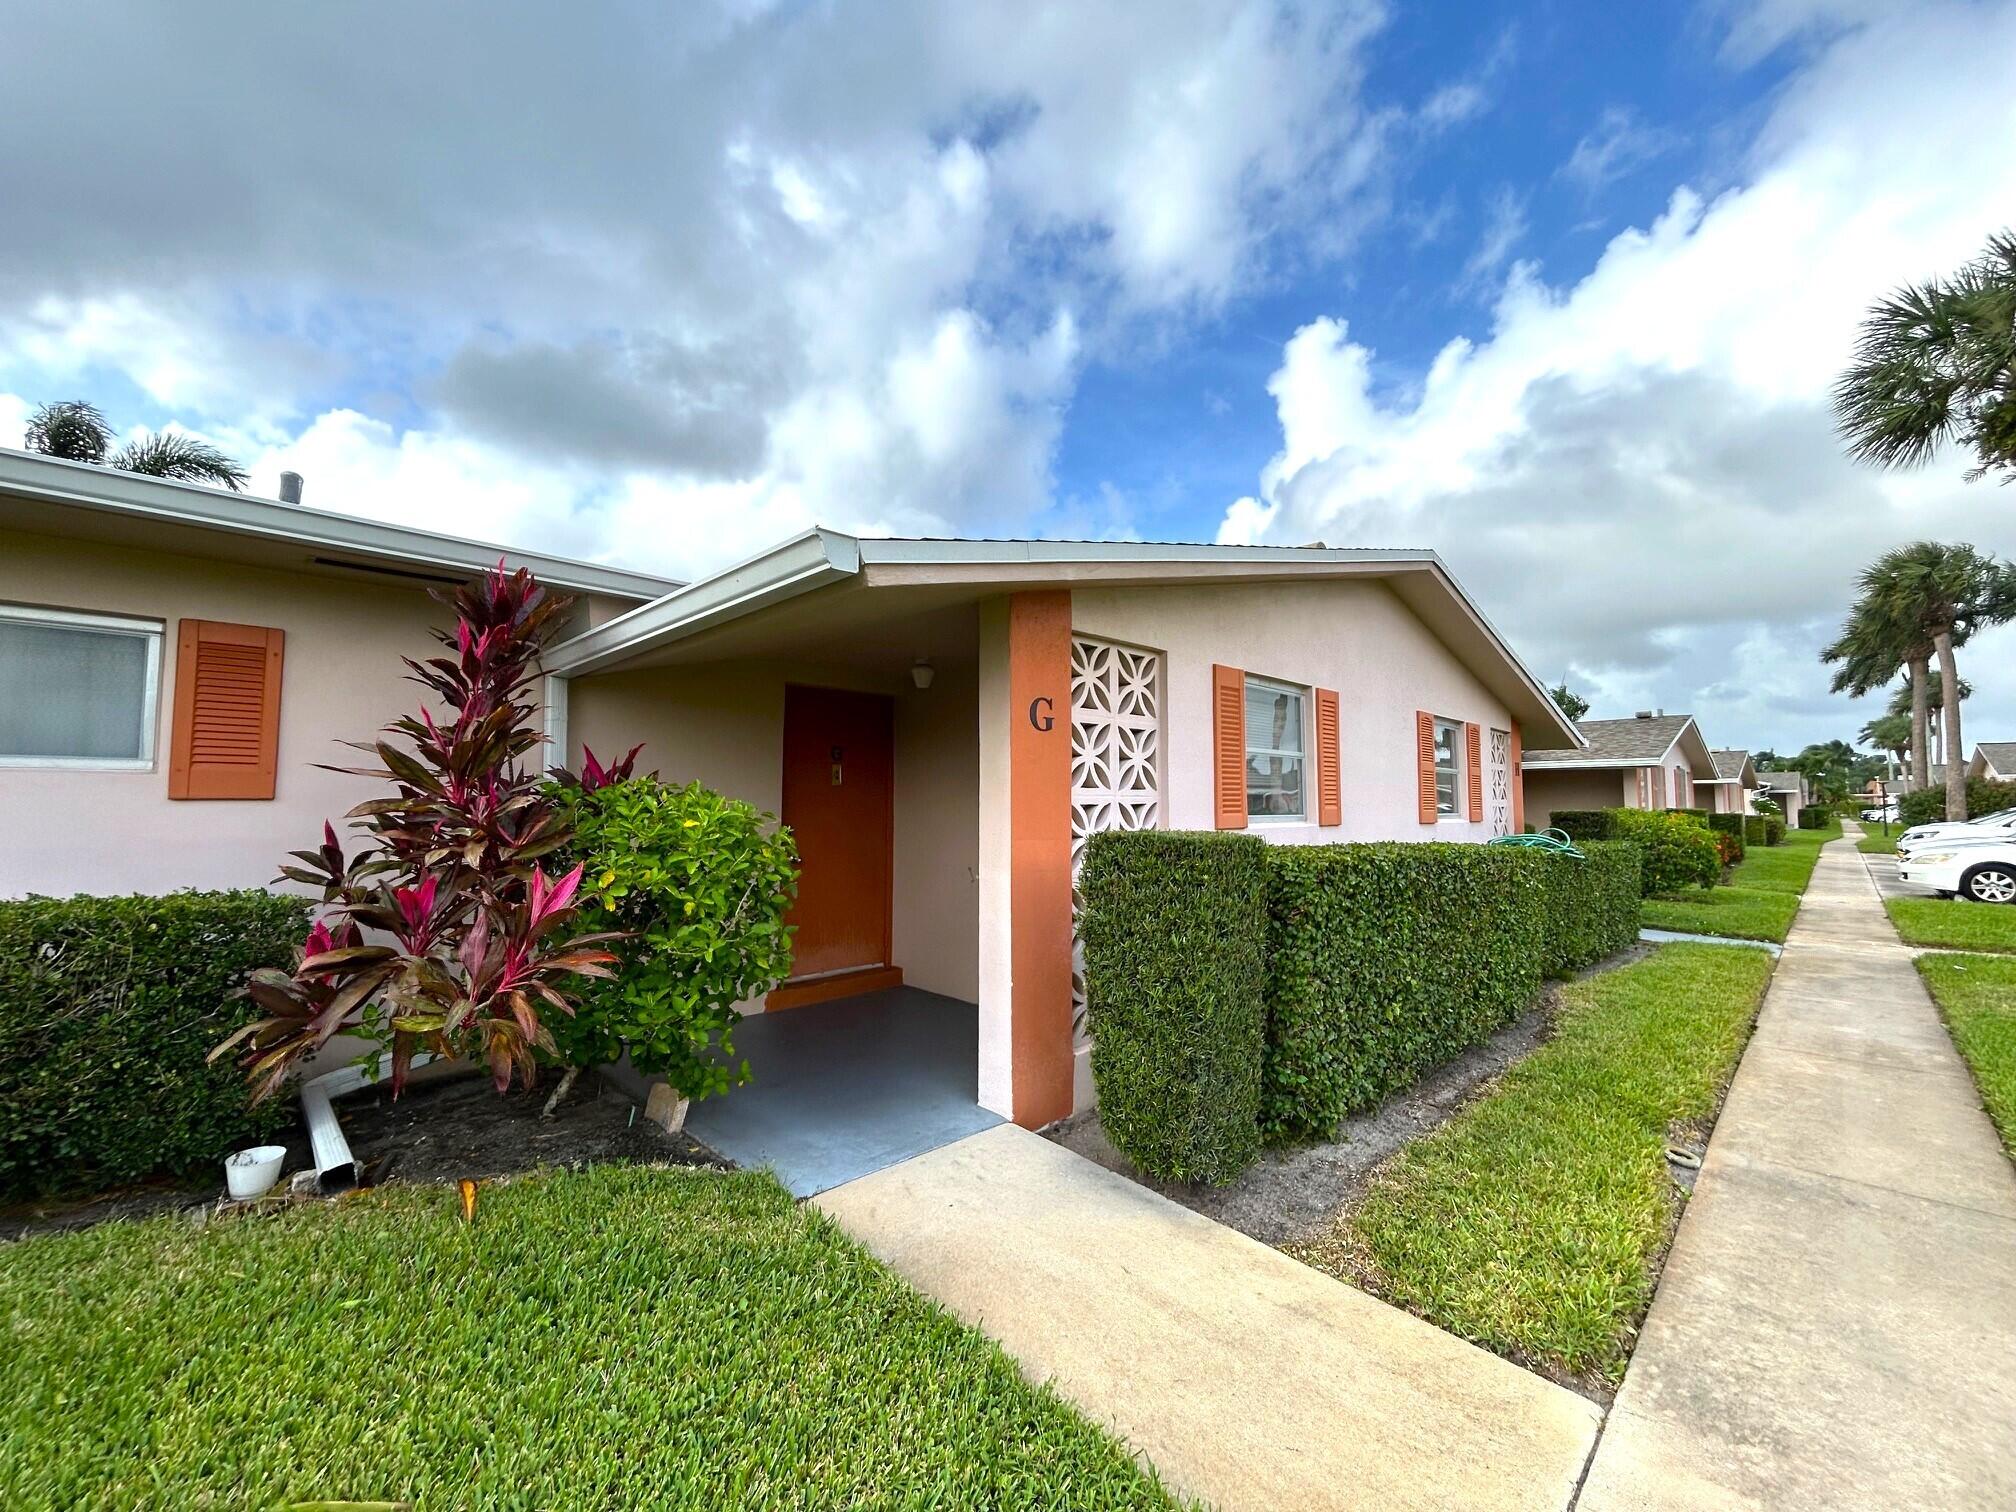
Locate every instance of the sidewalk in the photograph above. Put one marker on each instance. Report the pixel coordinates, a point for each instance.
(1836, 1325)
(1245, 1378)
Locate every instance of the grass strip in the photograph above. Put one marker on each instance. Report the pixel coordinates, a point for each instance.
(620, 1336)
(1737, 913)
(1953, 924)
(1876, 843)
(1977, 998)
(1531, 1222)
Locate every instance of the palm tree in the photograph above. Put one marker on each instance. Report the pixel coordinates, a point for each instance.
(1935, 696)
(1890, 733)
(1936, 362)
(77, 432)
(1937, 594)
(1872, 649)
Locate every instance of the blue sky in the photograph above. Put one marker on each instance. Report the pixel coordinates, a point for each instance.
(1555, 289)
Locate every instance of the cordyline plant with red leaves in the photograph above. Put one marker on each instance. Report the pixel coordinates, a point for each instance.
(442, 933)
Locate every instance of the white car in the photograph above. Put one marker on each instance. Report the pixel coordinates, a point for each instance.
(1982, 871)
(1987, 827)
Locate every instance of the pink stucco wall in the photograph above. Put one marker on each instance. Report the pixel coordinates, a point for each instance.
(113, 832)
(1355, 637)
(1596, 788)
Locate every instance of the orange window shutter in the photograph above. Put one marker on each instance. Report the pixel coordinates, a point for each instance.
(1228, 746)
(1518, 779)
(225, 742)
(1424, 757)
(1473, 763)
(1329, 761)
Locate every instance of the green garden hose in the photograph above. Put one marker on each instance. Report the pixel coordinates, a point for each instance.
(1554, 841)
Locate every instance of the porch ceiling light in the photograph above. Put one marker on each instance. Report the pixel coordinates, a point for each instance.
(921, 673)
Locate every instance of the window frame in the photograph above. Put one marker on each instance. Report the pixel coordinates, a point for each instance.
(1454, 813)
(153, 632)
(1248, 750)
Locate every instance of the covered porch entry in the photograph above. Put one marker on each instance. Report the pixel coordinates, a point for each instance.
(876, 726)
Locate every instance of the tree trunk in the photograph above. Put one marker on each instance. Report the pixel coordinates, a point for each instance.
(1949, 726)
(560, 1092)
(1920, 773)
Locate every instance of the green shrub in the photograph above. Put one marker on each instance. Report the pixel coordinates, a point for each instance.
(1385, 960)
(1928, 805)
(1754, 830)
(1815, 817)
(699, 884)
(1774, 829)
(1582, 824)
(1730, 826)
(1175, 933)
(1677, 851)
(108, 1007)
(1692, 813)
(1591, 906)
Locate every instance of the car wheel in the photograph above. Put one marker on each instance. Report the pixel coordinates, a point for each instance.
(1992, 883)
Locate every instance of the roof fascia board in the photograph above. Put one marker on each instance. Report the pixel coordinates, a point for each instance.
(1597, 764)
(801, 564)
(110, 491)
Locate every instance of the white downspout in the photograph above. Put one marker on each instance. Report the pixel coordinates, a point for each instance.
(335, 1166)
(554, 696)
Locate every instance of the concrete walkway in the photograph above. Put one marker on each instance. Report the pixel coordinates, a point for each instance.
(1245, 1378)
(1836, 1325)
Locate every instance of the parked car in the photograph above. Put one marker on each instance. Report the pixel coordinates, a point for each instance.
(1887, 814)
(1982, 871)
(1988, 826)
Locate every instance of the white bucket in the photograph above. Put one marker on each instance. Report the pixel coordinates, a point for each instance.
(251, 1173)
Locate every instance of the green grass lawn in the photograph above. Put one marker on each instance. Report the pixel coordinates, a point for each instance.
(1952, 924)
(621, 1336)
(1875, 843)
(1530, 1222)
(1758, 901)
(1977, 998)
(1741, 913)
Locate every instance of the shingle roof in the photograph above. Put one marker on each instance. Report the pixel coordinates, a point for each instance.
(2001, 754)
(1782, 782)
(1617, 742)
(1729, 763)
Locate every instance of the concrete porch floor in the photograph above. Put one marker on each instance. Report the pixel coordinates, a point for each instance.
(843, 1089)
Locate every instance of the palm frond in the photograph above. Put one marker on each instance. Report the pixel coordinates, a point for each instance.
(171, 454)
(70, 429)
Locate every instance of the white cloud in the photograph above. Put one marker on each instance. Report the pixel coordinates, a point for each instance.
(1618, 144)
(1504, 228)
(1638, 472)
(743, 268)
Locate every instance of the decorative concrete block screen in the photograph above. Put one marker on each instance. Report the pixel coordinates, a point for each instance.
(1116, 761)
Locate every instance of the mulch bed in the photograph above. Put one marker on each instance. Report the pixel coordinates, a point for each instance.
(438, 1131)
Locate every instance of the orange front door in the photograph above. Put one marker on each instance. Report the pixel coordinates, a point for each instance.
(839, 799)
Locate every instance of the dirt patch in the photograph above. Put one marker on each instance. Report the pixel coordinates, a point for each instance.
(1290, 1196)
(436, 1132)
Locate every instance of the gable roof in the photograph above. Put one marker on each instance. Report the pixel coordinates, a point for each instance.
(822, 571)
(1782, 782)
(1732, 766)
(1642, 740)
(1999, 754)
(49, 496)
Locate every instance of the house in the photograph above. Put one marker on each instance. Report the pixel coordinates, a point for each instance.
(1649, 761)
(1786, 789)
(1735, 781)
(942, 723)
(1994, 760)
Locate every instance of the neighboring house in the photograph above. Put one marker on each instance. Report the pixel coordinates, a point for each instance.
(1650, 761)
(1995, 760)
(1786, 789)
(941, 723)
(1734, 781)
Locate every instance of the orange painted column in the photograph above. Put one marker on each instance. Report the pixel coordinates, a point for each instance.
(1039, 840)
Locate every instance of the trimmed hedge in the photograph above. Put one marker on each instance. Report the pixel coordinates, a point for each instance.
(1175, 934)
(1592, 906)
(1731, 825)
(1928, 805)
(1754, 830)
(108, 1007)
(1385, 960)
(1774, 829)
(1678, 850)
(1692, 813)
(1815, 817)
(1582, 824)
